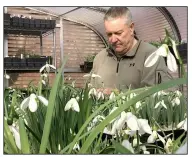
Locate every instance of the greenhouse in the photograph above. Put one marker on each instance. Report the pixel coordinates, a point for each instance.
(95, 80)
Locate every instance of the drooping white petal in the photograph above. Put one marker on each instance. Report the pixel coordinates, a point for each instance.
(151, 60)
(52, 66)
(183, 124)
(72, 104)
(16, 136)
(112, 96)
(87, 75)
(43, 81)
(157, 105)
(163, 50)
(171, 62)
(121, 120)
(94, 75)
(152, 138)
(42, 68)
(163, 104)
(127, 145)
(25, 103)
(43, 100)
(144, 126)
(32, 103)
(132, 121)
(161, 138)
(146, 152)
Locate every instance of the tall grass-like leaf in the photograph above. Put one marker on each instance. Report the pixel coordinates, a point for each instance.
(49, 114)
(144, 94)
(23, 137)
(9, 139)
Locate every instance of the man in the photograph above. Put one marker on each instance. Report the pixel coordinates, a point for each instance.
(121, 65)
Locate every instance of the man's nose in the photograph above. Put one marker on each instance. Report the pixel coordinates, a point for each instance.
(113, 39)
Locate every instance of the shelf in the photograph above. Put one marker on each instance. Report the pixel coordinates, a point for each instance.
(29, 31)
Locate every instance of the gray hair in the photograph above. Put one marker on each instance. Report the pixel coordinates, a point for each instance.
(116, 12)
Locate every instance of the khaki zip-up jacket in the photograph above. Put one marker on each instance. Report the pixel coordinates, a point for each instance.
(128, 71)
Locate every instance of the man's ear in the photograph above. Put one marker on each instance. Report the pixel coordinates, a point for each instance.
(132, 28)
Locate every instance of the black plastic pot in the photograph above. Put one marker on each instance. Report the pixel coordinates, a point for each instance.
(7, 62)
(43, 24)
(21, 22)
(16, 62)
(31, 23)
(37, 23)
(26, 22)
(15, 21)
(7, 21)
(88, 66)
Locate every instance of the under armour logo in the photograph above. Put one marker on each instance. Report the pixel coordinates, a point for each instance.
(131, 64)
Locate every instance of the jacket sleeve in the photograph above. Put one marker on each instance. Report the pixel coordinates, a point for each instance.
(155, 74)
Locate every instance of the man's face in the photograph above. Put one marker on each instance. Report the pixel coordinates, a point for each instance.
(120, 34)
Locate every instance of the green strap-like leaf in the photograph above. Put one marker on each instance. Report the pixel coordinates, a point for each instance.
(23, 137)
(50, 108)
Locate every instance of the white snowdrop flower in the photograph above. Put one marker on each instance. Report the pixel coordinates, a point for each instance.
(112, 96)
(92, 91)
(175, 101)
(132, 95)
(32, 103)
(138, 104)
(100, 95)
(161, 103)
(169, 146)
(72, 104)
(183, 124)
(7, 76)
(47, 67)
(162, 51)
(178, 93)
(76, 147)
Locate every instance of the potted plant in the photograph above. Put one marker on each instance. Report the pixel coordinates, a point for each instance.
(88, 63)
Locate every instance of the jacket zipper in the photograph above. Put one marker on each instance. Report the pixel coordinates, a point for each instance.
(117, 69)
